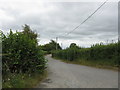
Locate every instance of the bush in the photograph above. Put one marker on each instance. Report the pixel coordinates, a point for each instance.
(101, 53)
(68, 54)
(21, 54)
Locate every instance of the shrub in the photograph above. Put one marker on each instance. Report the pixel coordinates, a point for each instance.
(105, 53)
(21, 54)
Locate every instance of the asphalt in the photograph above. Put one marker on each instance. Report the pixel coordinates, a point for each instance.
(64, 75)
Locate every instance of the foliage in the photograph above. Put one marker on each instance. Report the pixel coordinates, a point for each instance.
(73, 45)
(27, 31)
(23, 80)
(21, 53)
(50, 46)
(108, 54)
(68, 54)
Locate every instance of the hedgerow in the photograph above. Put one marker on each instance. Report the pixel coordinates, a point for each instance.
(21, 53)
(108, 54)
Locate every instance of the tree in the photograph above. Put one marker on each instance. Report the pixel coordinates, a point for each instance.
(27, 31)
(51, 46)
(73, 45)
(22, 53)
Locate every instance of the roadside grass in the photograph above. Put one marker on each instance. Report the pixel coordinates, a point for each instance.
(97, 64)
(23, 80)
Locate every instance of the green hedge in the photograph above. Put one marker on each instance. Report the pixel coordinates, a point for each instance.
(105, 53)
(21, 54)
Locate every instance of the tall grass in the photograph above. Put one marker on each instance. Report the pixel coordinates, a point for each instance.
(23, 80)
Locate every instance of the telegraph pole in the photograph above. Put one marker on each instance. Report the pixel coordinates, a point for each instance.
(56, 42)
(61, 45)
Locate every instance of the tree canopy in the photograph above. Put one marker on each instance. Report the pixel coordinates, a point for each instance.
(27, 31)
(52, 45)
(73, 45)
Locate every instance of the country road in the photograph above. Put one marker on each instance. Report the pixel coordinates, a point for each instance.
(64, 75)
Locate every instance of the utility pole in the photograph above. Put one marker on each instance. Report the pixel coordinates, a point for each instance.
(107, 42)
(56, 42)
(61, 45)
(112, 41)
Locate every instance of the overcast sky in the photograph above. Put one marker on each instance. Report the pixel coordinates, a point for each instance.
(53, 19)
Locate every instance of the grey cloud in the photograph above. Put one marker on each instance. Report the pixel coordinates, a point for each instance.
(51, 20)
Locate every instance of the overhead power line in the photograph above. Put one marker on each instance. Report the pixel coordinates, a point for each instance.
(86, 19)
(83, 21)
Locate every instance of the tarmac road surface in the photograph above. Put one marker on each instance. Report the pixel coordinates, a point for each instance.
(64, 75)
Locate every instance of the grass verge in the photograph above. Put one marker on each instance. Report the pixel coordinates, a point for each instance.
(96, 64)
(23, 80)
